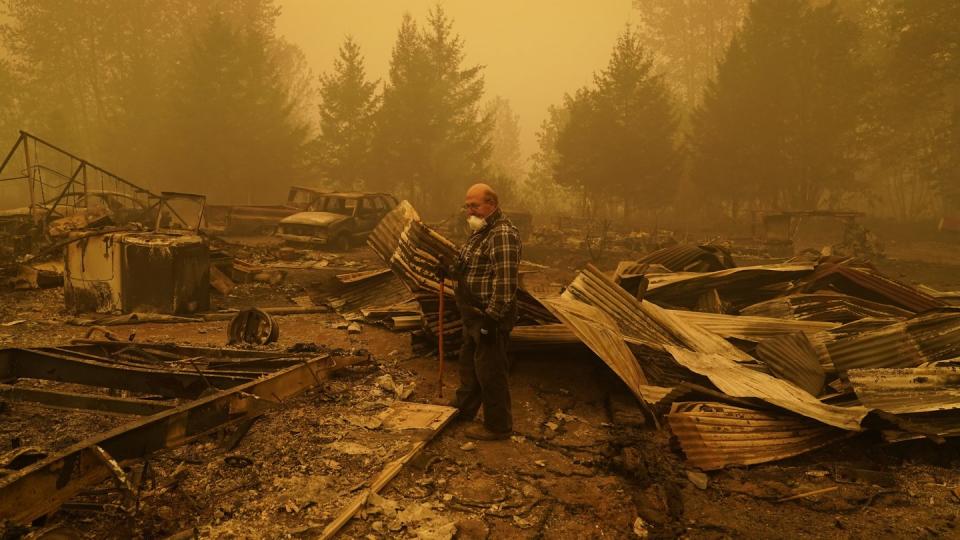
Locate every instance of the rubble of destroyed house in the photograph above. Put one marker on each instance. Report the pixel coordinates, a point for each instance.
(729, 365)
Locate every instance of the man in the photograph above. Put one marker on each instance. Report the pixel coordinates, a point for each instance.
(487, 270)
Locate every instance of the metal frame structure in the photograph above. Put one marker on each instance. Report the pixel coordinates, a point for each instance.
(222, 388)
(56, 177)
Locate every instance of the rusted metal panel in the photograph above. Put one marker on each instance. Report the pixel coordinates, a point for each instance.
(737, 380)
(599, 332)
(793, 358)
(750, 328)
(869, 284)
(832, 307)
(927, 338)
(691, 258)
(645, 322)
(716, 435)
(42, 487)
(378, 289)
(908, 390)
(742, 286)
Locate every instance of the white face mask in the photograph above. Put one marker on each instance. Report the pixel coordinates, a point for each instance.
(475, 223)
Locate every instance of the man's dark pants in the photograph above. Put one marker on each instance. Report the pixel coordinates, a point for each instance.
(483, 376)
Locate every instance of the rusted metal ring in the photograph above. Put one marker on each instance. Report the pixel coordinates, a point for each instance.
(253, 326)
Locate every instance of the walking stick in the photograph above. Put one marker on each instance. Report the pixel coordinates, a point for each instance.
(441, 273)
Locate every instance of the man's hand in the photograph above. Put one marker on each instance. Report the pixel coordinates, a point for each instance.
(442, 269)
(488, 328)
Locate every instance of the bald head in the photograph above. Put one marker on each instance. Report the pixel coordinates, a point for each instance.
(481, 200)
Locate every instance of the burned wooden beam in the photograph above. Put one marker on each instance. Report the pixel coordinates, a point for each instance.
(41, 488)
(90, 402)
(52, 366)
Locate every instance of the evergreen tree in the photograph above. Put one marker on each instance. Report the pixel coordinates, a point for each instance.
(924, 111)
(8, 106)
(779, 124)
(505, 156)
(348, 105)
(431, 140)
(234, 115)
(689, 37)
(620, 140)
(108, 79)
(540, 192)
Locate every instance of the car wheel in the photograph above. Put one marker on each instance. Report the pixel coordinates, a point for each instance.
(342, 243)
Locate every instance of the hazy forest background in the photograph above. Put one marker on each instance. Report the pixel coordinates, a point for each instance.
(706, 108)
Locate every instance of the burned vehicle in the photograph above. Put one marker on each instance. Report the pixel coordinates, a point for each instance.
(337, 220)
(260, 219)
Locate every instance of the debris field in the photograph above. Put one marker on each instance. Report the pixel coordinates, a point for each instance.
(260, 390)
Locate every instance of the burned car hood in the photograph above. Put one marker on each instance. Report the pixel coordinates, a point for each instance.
(15, 212)
(318, 219)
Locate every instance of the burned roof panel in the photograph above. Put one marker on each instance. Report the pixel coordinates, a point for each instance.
(908, 390)
(715, 435)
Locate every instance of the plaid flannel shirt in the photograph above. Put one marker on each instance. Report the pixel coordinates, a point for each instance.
(490, 262)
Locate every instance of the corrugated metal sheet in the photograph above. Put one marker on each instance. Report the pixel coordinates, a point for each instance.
(715, 435)
(691, 258)
(750, 328)
(793, 358)
(599, 332)
(738, 287)
(379, 289)
(835, 307)
(927, 338)
(949, 297)
(940, 424)
(541, 335)
(644, 322)
(737, 380)
(908, 390)
(870, 285)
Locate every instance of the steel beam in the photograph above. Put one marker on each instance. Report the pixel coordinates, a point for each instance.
(42, 487)
(90, 402)
(53, 366)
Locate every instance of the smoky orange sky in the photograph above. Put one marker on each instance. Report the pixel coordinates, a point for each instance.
(534, 51)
